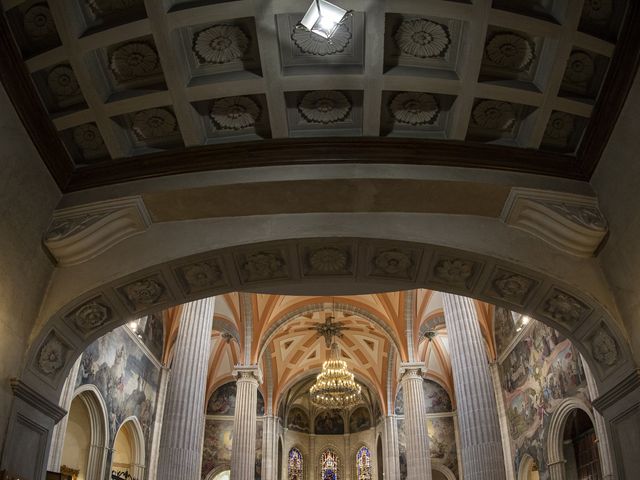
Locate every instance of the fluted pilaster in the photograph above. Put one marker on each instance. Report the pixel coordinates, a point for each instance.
(183, 423)
(390, 449)
(415, 425)
(481, 446)
(243, 449)
(270, 447)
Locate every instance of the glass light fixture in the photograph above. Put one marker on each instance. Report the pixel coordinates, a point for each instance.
(335, 387)
(323, 18)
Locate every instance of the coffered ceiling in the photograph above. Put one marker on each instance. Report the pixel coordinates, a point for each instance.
(117, 89)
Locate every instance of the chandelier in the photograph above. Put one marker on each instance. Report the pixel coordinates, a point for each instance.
(335, 387)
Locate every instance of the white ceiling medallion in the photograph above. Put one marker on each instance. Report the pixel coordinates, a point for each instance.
(414, 108)
(494, 115)
(422, 38)
(134, 60)
(234, 113)
(309, 42)
(510, 50)
(324, 106)
(220, 44)
(154, 123)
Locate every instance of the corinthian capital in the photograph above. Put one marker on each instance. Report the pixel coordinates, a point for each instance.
(412, 370)
(248, 373)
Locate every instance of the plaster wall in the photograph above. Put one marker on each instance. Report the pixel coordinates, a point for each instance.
(75, 453)
(27, 198)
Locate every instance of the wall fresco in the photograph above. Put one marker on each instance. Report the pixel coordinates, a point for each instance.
(329, 422)
(150, 330)
(442, 441)
(216, 449)
(298, 420)
(359, 420)
(223, 401)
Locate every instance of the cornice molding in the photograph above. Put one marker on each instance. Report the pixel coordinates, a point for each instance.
(30, 396)
(629, 384)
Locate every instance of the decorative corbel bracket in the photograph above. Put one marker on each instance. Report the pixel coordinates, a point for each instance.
(571, 223)
(78, 234)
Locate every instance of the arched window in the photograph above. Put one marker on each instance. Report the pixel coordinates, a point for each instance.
(363, 464)
(329, 465)
(294, 469)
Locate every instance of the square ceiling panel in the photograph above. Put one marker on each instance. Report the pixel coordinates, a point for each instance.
(550, 10)
(98, 15)
(415, 114)
(303, 52)
(33, 27)
(59, 89)
(324, 112)
(563, 132)
(584, 75)
(602, 18)
(500, 122)
(85, 144)
(150, 130)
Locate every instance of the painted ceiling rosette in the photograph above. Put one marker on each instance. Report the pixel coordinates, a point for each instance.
(580, 68)
(101, 7)
(560, 126)
(88, 137)
(234, 113)
(324, 106)
(220, 44)
(154, 123)
(414, 108)
(422, 38)
(62, 81)
(510, 50)
(134, 60)
(38, 21)
(313, 44)
(494, 115)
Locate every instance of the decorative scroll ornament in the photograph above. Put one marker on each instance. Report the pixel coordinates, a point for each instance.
(220, 44)
(560, 125)
(313, 44)
(328, 260)
(324, 106)
(62, 81)
(154, 123)
(494, 115)
(422, 38)
(88, 137)
(597, 10)
(454, 271)
(510, 50)
(134, 60)
(580, 68)
(413, 108)
(604, 348)
(91, 316)
(38, 22)
(234, 113)
(584, 215)
(65, 227)
(101, 7)
(52, 356)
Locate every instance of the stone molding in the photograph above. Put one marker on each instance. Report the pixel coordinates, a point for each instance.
(571, 223)
(78, 234)
(248, 373)
(33, 398)
(629, 384)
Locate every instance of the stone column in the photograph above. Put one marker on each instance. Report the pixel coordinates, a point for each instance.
(157, 424)
(502, 418)
(270, 447)
(243, 449)
(415, 424)
(390, 448)
(482, 456)
(184, 414)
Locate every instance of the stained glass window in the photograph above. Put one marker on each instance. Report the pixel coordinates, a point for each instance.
(295, 465)
(363, 464)
(330, 465)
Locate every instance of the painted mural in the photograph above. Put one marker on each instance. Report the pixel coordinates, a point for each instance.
(127, 379)
(436, 399)
(329, 422)
(298, 420)
(223, 401)
(359, 420)
(541, 370)
(442, 441)
(216, 450)
(504, 328)
(150, 330)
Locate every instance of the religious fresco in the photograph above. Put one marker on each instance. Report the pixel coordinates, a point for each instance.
(436, 399)
(126, 378)
(329, 422)
(298, 420)
(216, 448)
(150, 330)
(223, 401)
(504, 328)
(541, 371)
(442, 441)
(359, 420)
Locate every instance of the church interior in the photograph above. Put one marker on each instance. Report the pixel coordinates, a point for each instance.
(319, 240)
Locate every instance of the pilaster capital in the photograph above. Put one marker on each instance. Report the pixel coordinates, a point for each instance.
(250, 373)
(412, 370)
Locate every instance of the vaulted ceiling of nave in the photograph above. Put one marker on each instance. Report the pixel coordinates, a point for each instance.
(376, 339)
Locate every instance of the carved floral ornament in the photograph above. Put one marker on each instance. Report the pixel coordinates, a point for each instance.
(201, 275)
(604, 348)
(88, 137)
(143, 292)
(38, 22)
(328, 260)
(510, 50)
(512, 287)
(393, 262)
(90, 316)
(324, 106)
(154, 123)
(220, 44)
(62, 81)
(564, 308)
(494, 115)
(263, 266)
(313, 44)
(134, 60)
(52, 355)
(422, 38)
(561, 125)
(580, 68)
(454, 271)
(234, 113)
(414, 108)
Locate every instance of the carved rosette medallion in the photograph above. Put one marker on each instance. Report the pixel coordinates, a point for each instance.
(454, 271)
(62, 81)
(414, 108)
(564, 309)
(154, 123)
(510, 50)
(580, 68)
(604, 348)
(560, 126)
(201, 276)
(52, 355)
(88, 137)
(422, 38)
(393, 263)
(313, 44)
(324, 107)
(220, 44)
(494, 115)
(234, 113)
(134, 60)
(512, 287)
(261, 266)
(328, 260)
(598, 11)
(143, 293)
(91, 316)
(38, 22)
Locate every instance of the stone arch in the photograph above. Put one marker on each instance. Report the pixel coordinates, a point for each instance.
(214, 472)
(446, 471)
(134, 430)
(97, 408)
(555, 433)
(526, 462)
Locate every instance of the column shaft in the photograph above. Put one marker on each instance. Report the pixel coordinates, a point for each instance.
(243, 449)
(415, 425)
(157, 424)
(390, 448)
(184, 415)
(482, 455)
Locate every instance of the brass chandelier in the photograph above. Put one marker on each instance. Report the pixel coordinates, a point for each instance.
(335, 387)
